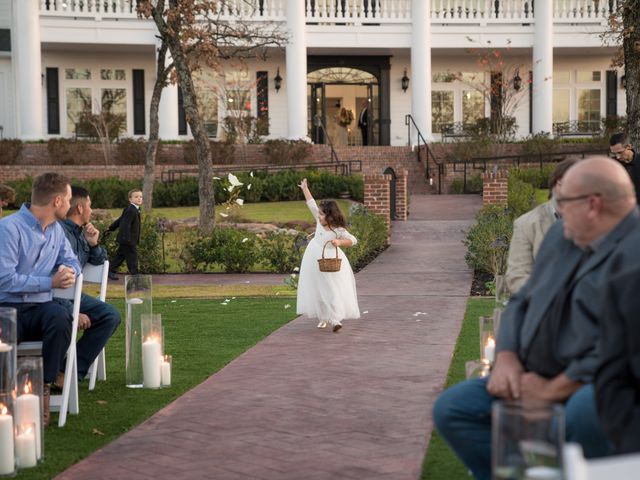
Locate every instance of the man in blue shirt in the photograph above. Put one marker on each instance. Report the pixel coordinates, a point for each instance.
(98, 319)
(35, 258)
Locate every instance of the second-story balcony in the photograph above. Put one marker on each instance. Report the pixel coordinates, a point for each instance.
(359, 12)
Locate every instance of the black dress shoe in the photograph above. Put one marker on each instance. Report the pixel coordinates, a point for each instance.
(113, 276)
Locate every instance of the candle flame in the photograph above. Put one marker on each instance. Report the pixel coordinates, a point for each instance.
(3, 409)
(491, 342)
(152, 339)
(27, 387)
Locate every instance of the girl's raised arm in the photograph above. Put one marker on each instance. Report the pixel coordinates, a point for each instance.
(311, 203)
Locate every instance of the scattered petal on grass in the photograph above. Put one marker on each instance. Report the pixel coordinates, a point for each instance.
(95, 431)
(293, 275)
(277, 293)
(245, 239)
(173, 301)
(296, 269)
(224, 214)
(233, 298)
(287, 306)
(223, 303)
(227, 300)
(239, 201)
(101, 402)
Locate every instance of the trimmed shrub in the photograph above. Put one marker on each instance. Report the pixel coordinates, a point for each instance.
(521, 197)
(133, 151)
(64, 151)
(235, 250)
(287, 152)
(10, 150)
(488, 240)
(279, 251)
(371, 232)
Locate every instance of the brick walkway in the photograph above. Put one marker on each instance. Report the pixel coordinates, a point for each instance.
(306, 404)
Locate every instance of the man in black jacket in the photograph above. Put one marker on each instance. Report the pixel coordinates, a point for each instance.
(128, 226)
(624, 152)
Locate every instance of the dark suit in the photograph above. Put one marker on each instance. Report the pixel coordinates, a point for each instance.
(363, 125)
(618, 377)
(561, 270)
(128, 226)
(633, 169)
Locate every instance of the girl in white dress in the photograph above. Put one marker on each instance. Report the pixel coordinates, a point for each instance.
(328, 296)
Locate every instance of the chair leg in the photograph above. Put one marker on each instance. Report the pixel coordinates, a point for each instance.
(102, 366)
(69, 402)
(93, 373)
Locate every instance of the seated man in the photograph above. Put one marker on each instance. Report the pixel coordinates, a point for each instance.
(529, 230)
(98, 319)
(36, 257)
(618, 378)
(546, 347)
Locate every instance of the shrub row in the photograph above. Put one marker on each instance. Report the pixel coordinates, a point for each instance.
(237, 251)
(280, 186)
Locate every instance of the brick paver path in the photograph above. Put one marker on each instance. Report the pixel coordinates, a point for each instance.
(307, 404)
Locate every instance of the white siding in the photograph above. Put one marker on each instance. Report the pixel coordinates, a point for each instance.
(5, 13)
(7, 106)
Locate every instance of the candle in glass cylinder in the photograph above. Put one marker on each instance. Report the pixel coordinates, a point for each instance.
(6, 442)
(151, 358)
(489, 350)
(26, 447)
(165, 371)
(28, 411)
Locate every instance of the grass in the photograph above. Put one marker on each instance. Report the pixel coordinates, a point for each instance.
(202, 335)
(542, 195)
(263, 212)
(440, 462)
(201, 291)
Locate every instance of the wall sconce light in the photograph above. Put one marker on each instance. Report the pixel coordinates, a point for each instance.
(623, 81)
(277, 80)
(517, 81)
(404, 81)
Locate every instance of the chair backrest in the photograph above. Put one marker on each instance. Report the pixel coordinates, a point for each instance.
(97, 274)
(619, 467)
(72, 293)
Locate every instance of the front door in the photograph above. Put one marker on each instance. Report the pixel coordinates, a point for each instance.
(316, 112)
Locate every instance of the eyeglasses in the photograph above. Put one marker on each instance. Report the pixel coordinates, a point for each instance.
(618, 154)
(561, 200)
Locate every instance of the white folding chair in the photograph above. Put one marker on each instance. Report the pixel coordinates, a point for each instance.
(68, 402)
(97, 274)
(619, 467)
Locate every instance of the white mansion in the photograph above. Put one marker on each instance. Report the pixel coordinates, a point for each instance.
(417, 57)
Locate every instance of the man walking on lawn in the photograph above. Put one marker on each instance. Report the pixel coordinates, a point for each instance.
(547, 344)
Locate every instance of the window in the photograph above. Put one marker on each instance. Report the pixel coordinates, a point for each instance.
(109, 74)
(77, 74)
(472, 106)
(78, 102)
(207, 91)
(561, 76)
(114, 101)
(561, 106)
(443, 77)
(594, 76)
(589, 107)
(442, 109)
(238, 91)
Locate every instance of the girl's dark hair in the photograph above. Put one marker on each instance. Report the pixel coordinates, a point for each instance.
(332, 214)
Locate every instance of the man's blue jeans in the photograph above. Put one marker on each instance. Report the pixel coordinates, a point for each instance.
(462, 415)
(104, 321)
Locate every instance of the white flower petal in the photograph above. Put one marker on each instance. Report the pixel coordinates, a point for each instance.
(233, 180)
(251, 174)
(173, 301)
(239, 201)
(230, 188)
(216, 178)
(245, 239)
(223, 214)
(296, 269)
(366, 311)
(293, 275)
(287, 306)
(249, 187)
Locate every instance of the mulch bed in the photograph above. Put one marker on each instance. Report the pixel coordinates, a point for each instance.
(478, 286)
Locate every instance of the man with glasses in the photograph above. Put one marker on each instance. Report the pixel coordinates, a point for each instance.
(547, 343)
(622, 151)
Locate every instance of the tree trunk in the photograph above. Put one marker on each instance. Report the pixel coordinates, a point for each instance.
(206, 222)
(154, 127)
(631, 46)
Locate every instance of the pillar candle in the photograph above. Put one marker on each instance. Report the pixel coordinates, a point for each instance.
(28, 411)
(26, 449)
(165, 373)
(6, 442)
(490, 350)
(151, 357)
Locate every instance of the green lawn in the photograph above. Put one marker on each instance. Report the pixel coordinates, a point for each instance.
(440, 463)
(264, 212)
(202, 335)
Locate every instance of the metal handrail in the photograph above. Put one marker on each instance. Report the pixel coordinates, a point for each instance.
(408, 121)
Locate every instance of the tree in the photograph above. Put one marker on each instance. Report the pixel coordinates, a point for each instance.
(199, 34)
(624, 31)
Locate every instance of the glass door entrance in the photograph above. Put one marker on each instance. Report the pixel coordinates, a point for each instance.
(343, 107)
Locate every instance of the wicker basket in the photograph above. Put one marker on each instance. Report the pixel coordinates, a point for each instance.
(329, 264)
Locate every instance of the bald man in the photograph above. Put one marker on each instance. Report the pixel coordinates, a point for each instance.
(546, 349)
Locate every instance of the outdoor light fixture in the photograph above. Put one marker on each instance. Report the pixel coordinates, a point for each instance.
(517, 81)
(278, 80)
(404, 81)
(623, 81)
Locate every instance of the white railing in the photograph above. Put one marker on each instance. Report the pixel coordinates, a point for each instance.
(350, 12)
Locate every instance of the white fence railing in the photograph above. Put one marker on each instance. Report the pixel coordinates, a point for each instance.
(350, 12)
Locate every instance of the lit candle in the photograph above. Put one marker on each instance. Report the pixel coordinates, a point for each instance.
(542, 473)
(28, 411)
(151, 357)
(26, 449)
(490, 350)
(165, 371)
(6, 442)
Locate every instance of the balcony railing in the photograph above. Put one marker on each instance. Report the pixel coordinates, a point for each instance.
(360, 12)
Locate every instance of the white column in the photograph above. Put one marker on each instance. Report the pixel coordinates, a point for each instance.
(28, 69)
(296, 75)
(168, 109)
(420, 84)
(542, 93)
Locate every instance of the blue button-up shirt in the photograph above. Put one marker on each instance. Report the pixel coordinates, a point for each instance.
(29, 257)
(86, 253)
